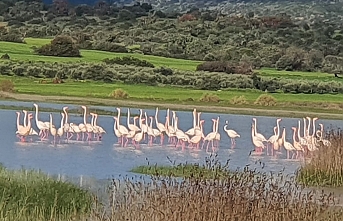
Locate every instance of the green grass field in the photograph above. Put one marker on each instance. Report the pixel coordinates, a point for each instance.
(165, 93)
(25, 52)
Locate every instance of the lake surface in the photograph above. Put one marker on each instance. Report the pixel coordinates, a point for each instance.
(106, 159)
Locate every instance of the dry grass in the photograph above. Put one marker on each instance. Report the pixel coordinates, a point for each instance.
(265, 100)
(7, 86)
(239, 195)
(238, 100)
(209, 98)
(325, 167)
(119, 94)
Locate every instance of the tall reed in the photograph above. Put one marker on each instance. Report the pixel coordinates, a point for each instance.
(32, 195)
(325, 166)
(239, 195)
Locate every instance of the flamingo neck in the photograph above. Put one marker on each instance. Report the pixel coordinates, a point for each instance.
(294, 135)
(18, 114)
(62, 119)
(66, 116)
(255, 125)
(36, 114)
(278, 128)
(118, 116)
(25, 117)
(308, 127)
(128, 116)
(314, 127)
(84, 115)
(299, 129)
(194, 120)
(92, 121)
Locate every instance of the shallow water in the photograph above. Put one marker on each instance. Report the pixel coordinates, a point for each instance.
(105, 159)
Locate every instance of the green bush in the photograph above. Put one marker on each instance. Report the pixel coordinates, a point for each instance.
(129, 60)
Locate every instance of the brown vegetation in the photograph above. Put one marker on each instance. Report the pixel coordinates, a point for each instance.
(325, 168)
(239, 100)
(265, 100)
(208, 97)
(7, 86)
(119, 94)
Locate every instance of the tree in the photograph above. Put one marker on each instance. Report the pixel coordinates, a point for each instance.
(62, 46)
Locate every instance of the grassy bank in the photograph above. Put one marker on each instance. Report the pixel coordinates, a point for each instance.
(94, 93)
(24, 52)
(31, 195)
(325, 167)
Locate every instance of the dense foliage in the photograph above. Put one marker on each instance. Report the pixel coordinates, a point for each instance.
(165, 76)
(61, 46)
(285, 35)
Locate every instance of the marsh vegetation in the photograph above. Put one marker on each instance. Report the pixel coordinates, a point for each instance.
(325, 167)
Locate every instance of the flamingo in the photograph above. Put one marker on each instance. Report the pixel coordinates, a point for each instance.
(180, 135)
(296, 144)
(231, 133)
(321, 139)
(273, 139)
(98, 128)
(76, 129)
(160, 126)
(131, 126)
(256, 141)
(19, 127)
(258, 135)
(211, 136)
(195, 140)
(155, 132)
(288, 146)
(24, 131)
(142, 126)
(191, 131)
(42, 126)
(53, 130)
(122, 129)
(88, 127)
(139, 136)
(32, 131)
(60, 130)
(116, 131)
(67, 128)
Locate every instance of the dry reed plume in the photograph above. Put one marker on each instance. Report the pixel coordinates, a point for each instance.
(241, 195)
(325, 167)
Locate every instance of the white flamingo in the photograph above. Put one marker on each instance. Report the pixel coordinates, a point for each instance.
(60, 130)
(231, 133)
(32, 131)
(53, 130)
(161, 127)
(24, 131)
(42, 126)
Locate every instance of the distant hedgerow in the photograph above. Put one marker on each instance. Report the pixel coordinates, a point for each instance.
(129, 60)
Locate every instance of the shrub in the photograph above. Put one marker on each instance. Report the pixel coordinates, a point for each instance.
(164, 71)
(265, 100)
(62, 46)
(210, 98)
(222, 66)
(129, 60)
(7, 86)
(5, 56)
(119, 93)
(239, 100)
